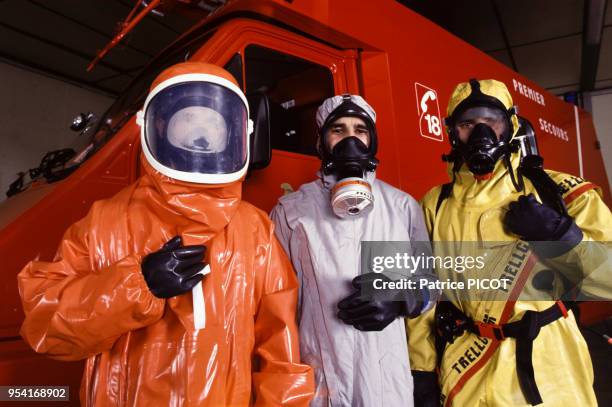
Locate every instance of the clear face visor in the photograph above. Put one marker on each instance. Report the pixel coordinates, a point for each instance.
(492, 117)
(198, 128)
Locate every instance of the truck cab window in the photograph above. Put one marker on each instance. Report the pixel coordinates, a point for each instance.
(295, 88)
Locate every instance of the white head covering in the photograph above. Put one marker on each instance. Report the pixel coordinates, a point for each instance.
(330, 104)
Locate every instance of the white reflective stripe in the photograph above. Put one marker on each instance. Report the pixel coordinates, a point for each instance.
(578, 141)
(199, 309)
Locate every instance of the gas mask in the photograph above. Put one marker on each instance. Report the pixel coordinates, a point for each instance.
(352, 194)
(350, 159)
(482, 150)
(483, 147)
(487, 119)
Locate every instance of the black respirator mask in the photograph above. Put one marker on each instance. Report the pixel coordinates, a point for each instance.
(349, 160)
(482, 150)
(350, 157)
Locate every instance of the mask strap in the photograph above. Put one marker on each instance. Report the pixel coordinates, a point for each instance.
(457, 165)
(475, 85)
(517, 180)
(326, 185)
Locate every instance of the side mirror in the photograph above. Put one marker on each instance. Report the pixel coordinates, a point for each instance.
(261, 151)
(81, 121)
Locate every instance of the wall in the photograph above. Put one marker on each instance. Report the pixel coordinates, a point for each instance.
(600, 105)
(35, 113)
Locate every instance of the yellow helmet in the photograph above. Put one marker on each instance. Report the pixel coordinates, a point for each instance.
(483, 93)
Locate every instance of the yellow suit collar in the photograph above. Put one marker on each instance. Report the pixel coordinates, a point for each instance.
(469, 191)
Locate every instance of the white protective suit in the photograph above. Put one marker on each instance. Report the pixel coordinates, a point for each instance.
(352, 368)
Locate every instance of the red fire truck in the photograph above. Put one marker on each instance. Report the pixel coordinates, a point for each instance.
(288, 56)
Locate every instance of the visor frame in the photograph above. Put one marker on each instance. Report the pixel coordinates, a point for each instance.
(499, 115)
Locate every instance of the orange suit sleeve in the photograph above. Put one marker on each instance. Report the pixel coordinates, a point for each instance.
(74, 309)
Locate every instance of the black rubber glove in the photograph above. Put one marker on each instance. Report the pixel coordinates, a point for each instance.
(174, 269)
(536, 222)
(377, 308)
(426, 389)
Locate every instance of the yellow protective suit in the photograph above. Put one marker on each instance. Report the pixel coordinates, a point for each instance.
(481, 371)
(92, 302)
(477, 371)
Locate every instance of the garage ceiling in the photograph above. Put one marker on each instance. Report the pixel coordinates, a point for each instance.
(61, 37)
(543, 40)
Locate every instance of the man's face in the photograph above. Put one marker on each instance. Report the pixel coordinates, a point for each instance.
(347, 127)
(494, 118)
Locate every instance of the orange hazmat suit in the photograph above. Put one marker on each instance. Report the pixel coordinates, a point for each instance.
(93, 303)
